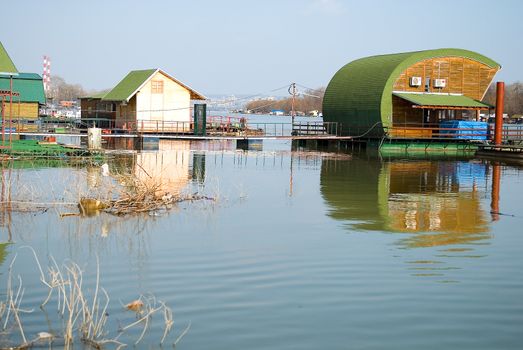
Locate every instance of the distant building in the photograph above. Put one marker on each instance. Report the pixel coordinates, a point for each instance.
(145, 100)
(278, 112)
(28, 92)
(67, 104)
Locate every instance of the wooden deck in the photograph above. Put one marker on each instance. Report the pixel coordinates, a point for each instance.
(196, 137)
(503, 152)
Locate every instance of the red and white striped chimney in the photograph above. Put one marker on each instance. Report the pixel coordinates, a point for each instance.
(46, 77)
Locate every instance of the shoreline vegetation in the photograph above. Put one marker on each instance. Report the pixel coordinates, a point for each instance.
(310, 100)
(81, 313)
(118, 194)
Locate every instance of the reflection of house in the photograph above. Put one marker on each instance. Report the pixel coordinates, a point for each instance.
(415, 196)
(29, 91)
(169, 165)
(407, 94)
(424, 197)
(145, 100)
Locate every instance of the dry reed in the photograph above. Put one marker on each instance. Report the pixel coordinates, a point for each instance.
(117, 194)
(82, 317)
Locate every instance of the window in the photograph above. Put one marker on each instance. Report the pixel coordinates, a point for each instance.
(157, 87)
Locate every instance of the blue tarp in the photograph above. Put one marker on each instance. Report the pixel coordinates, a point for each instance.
(471, 130)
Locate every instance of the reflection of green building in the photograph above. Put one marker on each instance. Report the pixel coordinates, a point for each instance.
(407, 196)
(350, 188)
(3, 252)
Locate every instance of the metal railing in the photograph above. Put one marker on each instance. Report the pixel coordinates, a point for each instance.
(235, 126)
(510, 132)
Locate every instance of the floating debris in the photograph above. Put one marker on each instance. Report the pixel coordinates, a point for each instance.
(136, 306)
(90, 206)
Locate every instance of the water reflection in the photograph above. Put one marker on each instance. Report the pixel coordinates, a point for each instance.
(432, 204)
(439, 198)
(169, 166)
(3, 252)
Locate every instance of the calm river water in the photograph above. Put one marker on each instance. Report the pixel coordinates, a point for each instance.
(299, 250)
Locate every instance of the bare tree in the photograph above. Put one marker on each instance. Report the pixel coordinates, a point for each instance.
(310, 100)
(513, 98)
(62, 91)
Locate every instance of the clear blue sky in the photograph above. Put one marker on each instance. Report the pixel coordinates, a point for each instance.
(233, 46)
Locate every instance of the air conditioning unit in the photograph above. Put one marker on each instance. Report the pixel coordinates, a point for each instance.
(415, 81)
(440, 83)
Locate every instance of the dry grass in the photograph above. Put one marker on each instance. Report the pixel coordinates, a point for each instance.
(139, 196)
(83, 317)
(117, 194)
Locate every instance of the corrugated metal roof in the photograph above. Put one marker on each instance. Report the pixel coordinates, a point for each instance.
(446, 100)
(360, 93)
(28, 76)
(29, 85)
(98, 95)
(6, 64)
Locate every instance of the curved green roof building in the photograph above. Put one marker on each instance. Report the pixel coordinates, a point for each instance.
(398, 89)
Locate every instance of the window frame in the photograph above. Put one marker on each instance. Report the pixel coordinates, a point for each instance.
(157, 86)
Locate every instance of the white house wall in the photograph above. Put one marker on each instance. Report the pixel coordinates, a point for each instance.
(173, 105)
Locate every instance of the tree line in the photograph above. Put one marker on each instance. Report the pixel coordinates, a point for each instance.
(310, 100)
(62, 91)
(513, 104)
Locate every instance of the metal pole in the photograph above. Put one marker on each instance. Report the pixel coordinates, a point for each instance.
(10, 109)
(498, 124)
(292, 89)
(3, 120)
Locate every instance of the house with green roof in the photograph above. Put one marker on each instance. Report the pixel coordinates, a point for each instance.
(408, 95)
(6, 64)
(27, 91)
(147, 100)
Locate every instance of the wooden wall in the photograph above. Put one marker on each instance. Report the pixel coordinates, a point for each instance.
(26, 110)
(127, 112)
(403, 114)
(88, 108)
(463, 75)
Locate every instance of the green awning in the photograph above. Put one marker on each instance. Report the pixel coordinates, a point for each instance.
(442, 100)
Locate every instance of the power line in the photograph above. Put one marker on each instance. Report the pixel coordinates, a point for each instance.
(248, 97)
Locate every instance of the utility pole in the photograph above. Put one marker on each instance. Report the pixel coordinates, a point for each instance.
(292, 91)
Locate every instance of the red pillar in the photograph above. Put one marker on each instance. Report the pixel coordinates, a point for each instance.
(498, 124)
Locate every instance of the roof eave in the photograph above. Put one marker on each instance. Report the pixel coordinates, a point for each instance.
(195, 95)
(480, 108)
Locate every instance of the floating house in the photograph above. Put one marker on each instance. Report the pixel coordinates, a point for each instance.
(408, 95)
(28, 93)
(145, 101)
